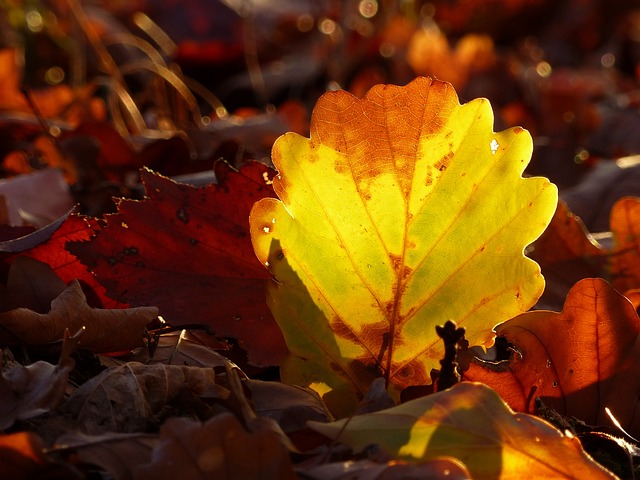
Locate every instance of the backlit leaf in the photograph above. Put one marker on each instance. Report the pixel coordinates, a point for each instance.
(578, 361)
(471, 423)
(625, 261)
(566, 253)
(187, 251)
(401, 211)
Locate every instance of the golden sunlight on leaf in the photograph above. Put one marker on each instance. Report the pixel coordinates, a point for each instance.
(471, 423)
(578, 361)
(566, 253)
(625, 260)
(402, 210)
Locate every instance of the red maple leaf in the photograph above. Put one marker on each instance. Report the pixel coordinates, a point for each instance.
(187, 250)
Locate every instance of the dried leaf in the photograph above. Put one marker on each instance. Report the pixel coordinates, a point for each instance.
(105, 330)
(472, 424)
(187, 250)
(219, 449)
(394, 217)
(26, 392)
(181, 348)
(128, 398)
(289, 405)
(37, 198)
(31, 284)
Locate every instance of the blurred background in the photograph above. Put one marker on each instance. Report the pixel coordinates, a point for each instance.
(97, 89)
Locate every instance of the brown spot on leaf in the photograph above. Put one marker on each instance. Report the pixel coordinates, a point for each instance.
(413, 373)
(396, 261)
(182, 215)
(342, 330)
(442, 164)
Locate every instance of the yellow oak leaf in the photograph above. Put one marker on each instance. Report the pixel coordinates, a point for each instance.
(401, 211)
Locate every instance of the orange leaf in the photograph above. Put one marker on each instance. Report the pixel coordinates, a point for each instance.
(578, 361)
(566, 253)
(625, 225)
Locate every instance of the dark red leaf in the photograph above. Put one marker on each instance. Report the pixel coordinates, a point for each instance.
(187, 251)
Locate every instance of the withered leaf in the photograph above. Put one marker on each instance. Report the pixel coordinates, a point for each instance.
(219, 449)
(26, 392)
(105, 330)
(128, 398)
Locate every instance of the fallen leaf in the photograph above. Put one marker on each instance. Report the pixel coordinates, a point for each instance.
(30, 284)
(129, 398)
(472, 424)
(290, 406)
(402, 210)
(33, 239)
(566, 253)
(578, 361)
(26, 392)
(218, 449)
(104, 330)
(37, 198)
(625, 258)
(51, 250)
(187, 251)
(181, 348)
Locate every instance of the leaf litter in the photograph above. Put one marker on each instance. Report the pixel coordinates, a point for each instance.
(171, 382)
